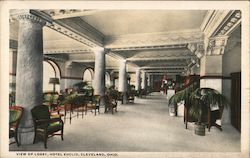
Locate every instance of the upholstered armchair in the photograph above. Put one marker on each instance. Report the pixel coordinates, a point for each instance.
(15, 115)
(44, 125)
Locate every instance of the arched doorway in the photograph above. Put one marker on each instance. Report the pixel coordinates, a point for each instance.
(50, 70)
(88, 76)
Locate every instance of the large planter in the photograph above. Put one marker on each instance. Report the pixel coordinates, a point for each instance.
(200, 129)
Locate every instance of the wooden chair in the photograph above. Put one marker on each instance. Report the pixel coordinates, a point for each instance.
(93, 104)
(44, 125)
(213, 116)
(74, 103)
(110, 104)
(15, 115)
(120, 97)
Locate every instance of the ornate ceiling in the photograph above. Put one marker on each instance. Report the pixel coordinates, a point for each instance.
(157, 41)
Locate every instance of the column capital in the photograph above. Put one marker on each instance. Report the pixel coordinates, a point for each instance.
(123, 61)
(30, 15)
(192, 47)
(197, 49)
(99, 50)
(216, 45)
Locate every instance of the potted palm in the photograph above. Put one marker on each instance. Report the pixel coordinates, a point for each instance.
(203, 100)
(180, 96)
(80, 87)
(198, 102)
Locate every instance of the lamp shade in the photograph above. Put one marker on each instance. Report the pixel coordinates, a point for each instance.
(54, 81)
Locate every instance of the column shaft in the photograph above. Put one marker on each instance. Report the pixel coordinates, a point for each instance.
(99, 76)
(122, 86)
(68, 69)
(149, 80)
(29, 78)
(122, 77)
(138, 80)
(144, 81)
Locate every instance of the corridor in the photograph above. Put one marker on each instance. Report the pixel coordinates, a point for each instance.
(144, 126)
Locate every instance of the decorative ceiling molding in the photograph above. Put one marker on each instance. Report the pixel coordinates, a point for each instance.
(161, 67)
(216, 45)
(117, 71)
(163, 63)
(231, 24)
(69, 13)
(67, 51)
(33, 15)
(220, 22)
(212, 21)
(48, 57)
(55, 25)
(166, 71)
(159, 59)
(115, 56)
(71, 34)
(197, 49)
(83, 61)
(150, 47)
(81, 57)
(162, 54)
(79, 26)
(153, 40)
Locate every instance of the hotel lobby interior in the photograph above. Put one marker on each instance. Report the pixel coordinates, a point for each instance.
(125, 80)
